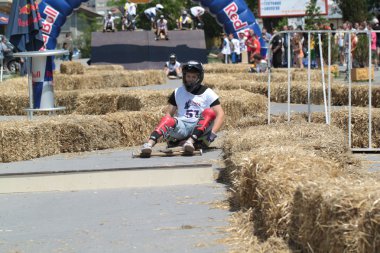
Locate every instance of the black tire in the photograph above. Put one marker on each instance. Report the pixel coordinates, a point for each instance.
(13, 67)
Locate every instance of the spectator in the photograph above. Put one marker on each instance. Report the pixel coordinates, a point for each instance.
(253, 45)
(373, 47)
(260, 65)
(339, 40)
(235, 49)
(277, 49)
(266, 37)
(66, 56)
(184, 21)
(69, 43)
(286, 45)
(151, 14)
(298, 51)
(376, 27)
(226, 49)
(173, 67)
(243, 48)
(109, 23)
(197, 12)
(128, 20)
(4, 49)
(162, 28)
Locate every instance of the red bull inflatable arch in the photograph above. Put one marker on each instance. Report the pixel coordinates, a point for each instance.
(234, 16)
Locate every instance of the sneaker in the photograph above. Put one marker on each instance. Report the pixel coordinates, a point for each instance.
(146, 149)
(188, 147)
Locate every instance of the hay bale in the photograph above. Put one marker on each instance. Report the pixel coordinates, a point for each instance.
(267, 178)
(142, 78)
(326, 141)
(15, 85)
(135, 127)
(85, 133)
(24, 140)
(104, 67)
(369, 227)
(71, 67)
(88, 81)
(327, 215)
(238, 104)
(222, 68)
(360, 120)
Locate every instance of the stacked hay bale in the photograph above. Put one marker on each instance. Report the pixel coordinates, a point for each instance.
(105, 67)
(24, 140)
(279, 171)
(222, 68)
(257, 83)
(71, 67)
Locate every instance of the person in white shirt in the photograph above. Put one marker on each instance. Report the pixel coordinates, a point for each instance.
(109, 23)
(194, 114)
(226, 49)
(196, 13)
(173, 67)
(151, 14)
(128, 21)
(162, 28)
(235, 49)
(243, 48)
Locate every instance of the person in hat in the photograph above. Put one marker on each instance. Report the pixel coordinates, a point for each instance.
(194, 114)
(151, 14)
(184, 22)
(173, 67)
(109, 23)
(162, 28)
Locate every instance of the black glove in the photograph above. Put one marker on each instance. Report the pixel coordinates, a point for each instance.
(211, 137)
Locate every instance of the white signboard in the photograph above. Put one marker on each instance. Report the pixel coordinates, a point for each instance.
(282, 8)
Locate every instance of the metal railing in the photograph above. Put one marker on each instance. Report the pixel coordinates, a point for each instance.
(326, 97)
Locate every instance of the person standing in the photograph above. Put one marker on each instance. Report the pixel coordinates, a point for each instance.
(276, 48)
(226, 49)
(235, 49)
(197, 13)
(69, 45)
(243, 48)
(266, 37)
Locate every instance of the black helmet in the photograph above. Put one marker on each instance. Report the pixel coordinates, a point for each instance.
(193, 67)
(172, 58)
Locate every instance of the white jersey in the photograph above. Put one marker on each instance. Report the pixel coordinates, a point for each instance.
(151, 11)
(226, 46)
(130, 8)
(191, 106)
(172, 67)
(197, 11)
(162, 24)
(236, 44)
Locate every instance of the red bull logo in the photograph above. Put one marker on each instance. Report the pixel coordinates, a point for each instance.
(231, 12)
(28, 8)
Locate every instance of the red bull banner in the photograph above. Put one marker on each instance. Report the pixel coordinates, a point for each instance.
(234, 16)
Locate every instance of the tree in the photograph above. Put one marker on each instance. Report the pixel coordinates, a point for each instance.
(313, 15)
(89, 25)
(354, 10)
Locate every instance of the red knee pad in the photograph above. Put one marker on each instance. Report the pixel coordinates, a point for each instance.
(164, 125)
(207, 117)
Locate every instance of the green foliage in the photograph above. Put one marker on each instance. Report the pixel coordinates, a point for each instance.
(313, 15)
(361, 54)
(354, 10)
(283, 22)
(84, 41)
